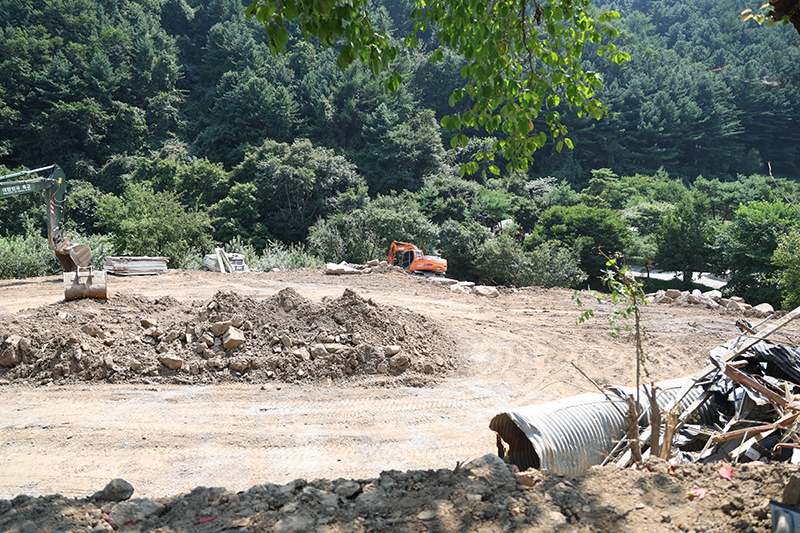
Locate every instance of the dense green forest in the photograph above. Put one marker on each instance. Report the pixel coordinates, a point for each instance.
(178, 131)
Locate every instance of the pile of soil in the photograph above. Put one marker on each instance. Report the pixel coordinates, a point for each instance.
(132, 339)
(485, 495)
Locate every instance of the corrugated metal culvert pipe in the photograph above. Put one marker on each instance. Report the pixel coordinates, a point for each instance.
(571, 435)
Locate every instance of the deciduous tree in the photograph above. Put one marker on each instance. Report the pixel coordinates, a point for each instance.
(521, 58)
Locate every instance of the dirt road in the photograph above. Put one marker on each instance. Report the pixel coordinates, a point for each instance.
(513, 350)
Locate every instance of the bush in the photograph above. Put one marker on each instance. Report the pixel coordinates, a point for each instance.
(148, 223)
(459, 244)
(278, 255)
(27, 256)
(550, 264)
(367, 233)
(787, 259)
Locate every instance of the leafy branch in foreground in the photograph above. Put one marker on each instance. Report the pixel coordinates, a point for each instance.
(626, 292)
(522, 60)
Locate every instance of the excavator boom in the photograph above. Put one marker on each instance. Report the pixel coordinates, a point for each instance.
(85, 282)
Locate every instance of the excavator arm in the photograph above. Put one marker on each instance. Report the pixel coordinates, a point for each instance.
(73, 257)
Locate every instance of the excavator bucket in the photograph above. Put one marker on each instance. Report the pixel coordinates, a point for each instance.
(81, 280)
(85, 283)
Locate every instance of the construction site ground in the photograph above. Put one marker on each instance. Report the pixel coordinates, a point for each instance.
(68, 430)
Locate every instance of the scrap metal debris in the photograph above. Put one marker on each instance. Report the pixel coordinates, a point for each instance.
(744, 406)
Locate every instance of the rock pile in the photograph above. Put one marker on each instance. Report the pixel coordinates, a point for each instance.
(711, 299)
(285, 337)
(483, 495)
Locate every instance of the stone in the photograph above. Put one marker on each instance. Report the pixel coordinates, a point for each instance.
(399, 360)
(344, 268)
(490, 469)
(672, 293)
(237, 321)
(733, 305)
(347, 488)
(171, 336)
(148, 322)
(695, 299)
(461, 288)
(233, 338)
(219, 328)
(713, 295)
(392, 349)
(216, 362)
(302, 354)
(486, 291)
(383, 367)
(10, 357)
(208, 339)
(791, 491)
(427, 515)
(334, 347)
(171, 361)
(13, 349)
(138, 509)
(296, 523)
(662, 299)
(764, 309)
(239, 364)
(373, 263)
(93, 331)
(437, 280)
(318, 350)
(117, 490)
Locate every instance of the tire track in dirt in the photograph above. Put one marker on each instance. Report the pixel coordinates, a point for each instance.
(166, 439)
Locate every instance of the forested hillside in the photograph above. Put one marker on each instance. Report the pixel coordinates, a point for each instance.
(178, 130)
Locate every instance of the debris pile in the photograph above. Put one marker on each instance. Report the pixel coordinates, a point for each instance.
(135, 265)
(221, 261)
(711, 299)
(229, 338)
(481, 495)
(742, 407)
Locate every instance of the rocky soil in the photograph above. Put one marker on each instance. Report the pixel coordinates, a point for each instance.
(370, 337)
(485, 495)
(132, 339)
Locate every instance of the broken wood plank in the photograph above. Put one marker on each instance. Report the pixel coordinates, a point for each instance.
(728, 356)
(739, 433)
(751, 383)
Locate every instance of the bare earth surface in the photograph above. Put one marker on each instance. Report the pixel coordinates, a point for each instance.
(336, 378)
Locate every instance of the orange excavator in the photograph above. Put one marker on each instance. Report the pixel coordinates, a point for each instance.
(414, 261)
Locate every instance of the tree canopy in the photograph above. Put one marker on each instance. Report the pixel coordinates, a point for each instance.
(521, 59)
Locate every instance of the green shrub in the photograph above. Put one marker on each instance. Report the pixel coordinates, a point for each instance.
(787, 277)
(551, 264)
(278, 255)
(27, 256)
(148, 223)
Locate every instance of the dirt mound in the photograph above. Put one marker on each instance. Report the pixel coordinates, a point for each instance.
(483, 495)
(228, 338)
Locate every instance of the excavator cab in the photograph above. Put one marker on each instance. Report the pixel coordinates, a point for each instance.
(80, 279)
(408, 258)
